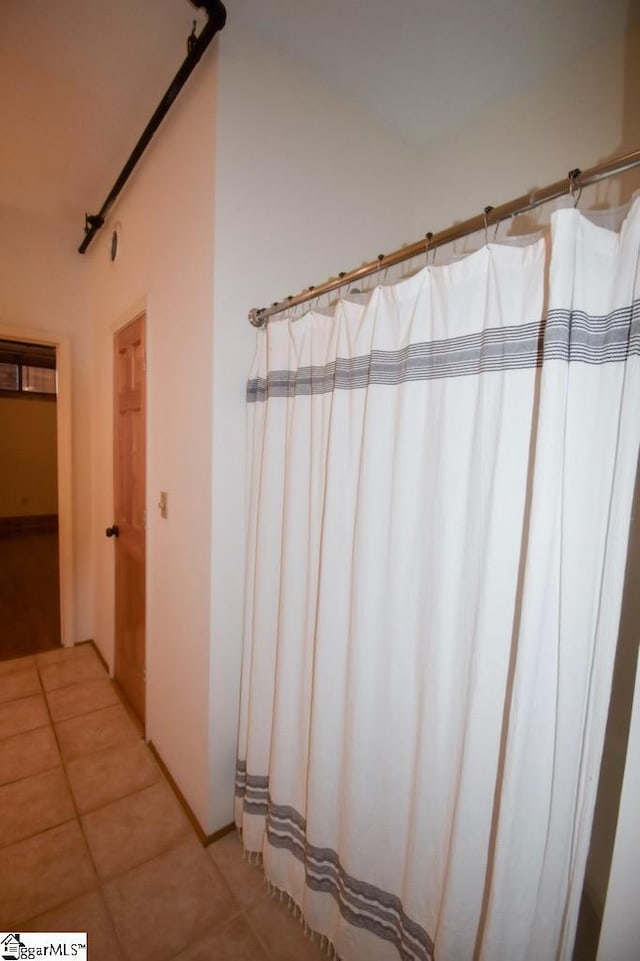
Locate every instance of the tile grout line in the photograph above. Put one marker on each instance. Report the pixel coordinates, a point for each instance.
(80, 814)
(140, 864)
(254, 930)
(220, 924)
(115, 800)
(98, 887)
(23, 777)
(37, 834)
(16, 700)
(38, 727)
(244, 911)
(240, 912)
(93, 710)
(102, 882)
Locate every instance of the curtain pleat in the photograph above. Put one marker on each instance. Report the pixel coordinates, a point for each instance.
(440, 487)
(585, 466)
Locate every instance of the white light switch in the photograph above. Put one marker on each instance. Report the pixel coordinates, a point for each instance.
(162, 503)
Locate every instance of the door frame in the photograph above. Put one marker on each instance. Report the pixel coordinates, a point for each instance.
(62, 346)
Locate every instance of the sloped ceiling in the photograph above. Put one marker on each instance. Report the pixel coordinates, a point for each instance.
(80, 78)
(424, 68)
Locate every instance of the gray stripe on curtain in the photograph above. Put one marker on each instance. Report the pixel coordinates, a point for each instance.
(573, 336)
(362, 905)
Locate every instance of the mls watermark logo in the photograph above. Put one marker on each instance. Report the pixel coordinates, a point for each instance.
(16, 947)
(10, 946)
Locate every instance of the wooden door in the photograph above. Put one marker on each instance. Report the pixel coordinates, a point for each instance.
(130, 519)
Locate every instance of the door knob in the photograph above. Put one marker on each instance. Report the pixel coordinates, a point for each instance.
(112, 531)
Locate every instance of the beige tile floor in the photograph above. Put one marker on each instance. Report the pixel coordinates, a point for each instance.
(93, 839)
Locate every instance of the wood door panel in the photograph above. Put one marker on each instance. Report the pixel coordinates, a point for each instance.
(130, 626)
(129, 488)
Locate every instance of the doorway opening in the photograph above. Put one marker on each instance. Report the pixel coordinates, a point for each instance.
(30, 620)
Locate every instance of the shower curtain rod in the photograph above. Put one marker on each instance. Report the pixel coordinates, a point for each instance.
(573, 183)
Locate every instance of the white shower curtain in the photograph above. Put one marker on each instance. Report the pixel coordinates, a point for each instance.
(585, 466)
(424, 565)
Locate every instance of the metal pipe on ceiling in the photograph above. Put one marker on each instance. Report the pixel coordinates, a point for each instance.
(575, 181)
(217, 16)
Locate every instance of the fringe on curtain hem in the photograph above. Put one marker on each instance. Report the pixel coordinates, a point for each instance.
(321, 940)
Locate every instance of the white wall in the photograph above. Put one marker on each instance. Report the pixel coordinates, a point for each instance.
(581, 115)
(301, 184)
(29, 477)
(165, 266)
(42, 287)
(305, 187)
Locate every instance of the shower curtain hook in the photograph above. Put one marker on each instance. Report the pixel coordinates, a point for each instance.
(380, 259)
(310, 290)
(428, 238)
(487, 210)
(574, 180)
